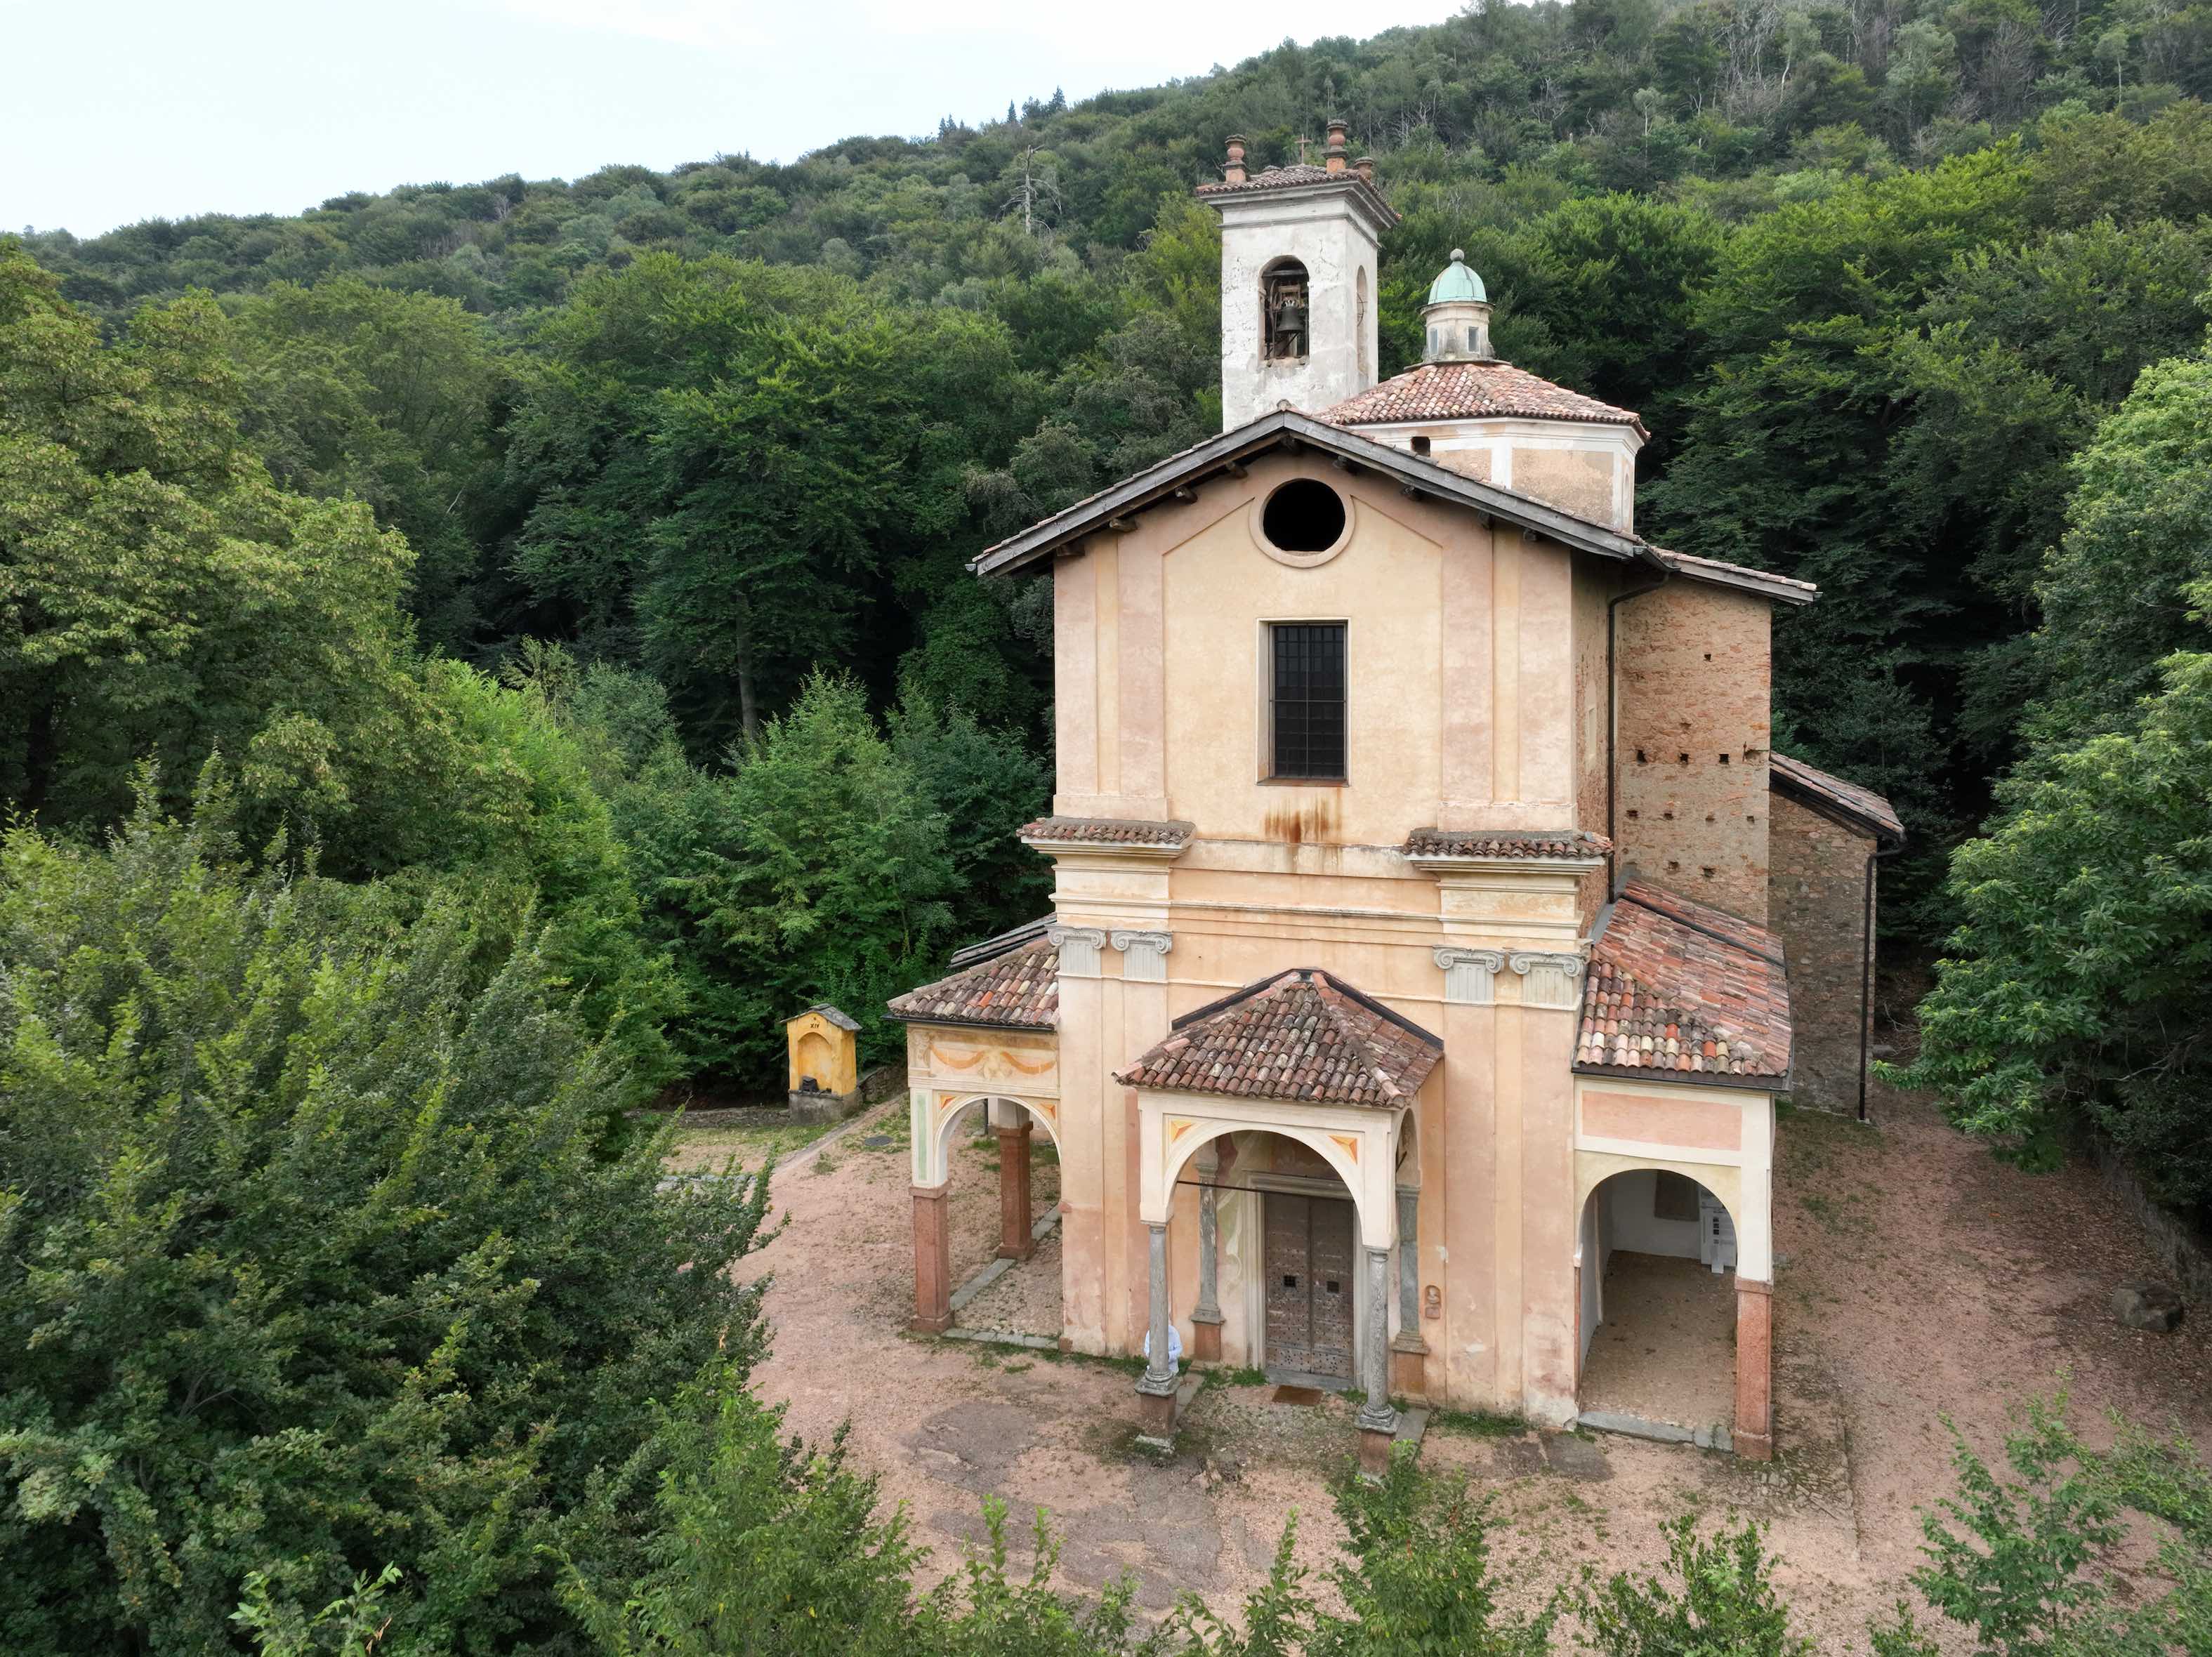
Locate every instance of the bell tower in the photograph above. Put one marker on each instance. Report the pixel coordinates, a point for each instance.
(1298, 280)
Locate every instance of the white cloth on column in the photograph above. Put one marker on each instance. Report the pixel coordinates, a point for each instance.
(1174, 1345)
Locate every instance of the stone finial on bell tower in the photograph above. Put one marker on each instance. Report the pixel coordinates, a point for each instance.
(1299, 276)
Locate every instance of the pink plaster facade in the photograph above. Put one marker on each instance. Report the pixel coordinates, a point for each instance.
(1508, 671)
(1478, 699)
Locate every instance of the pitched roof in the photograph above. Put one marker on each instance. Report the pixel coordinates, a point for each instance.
(1474, 391)
(1302, 1036)
(1865, 808)
(1277, 178)
(1102, 831)
(1303, 175)
(1016, 988)
(1680, 990)
(842, 1021)
(1282, 428)
(1416, 474)
(1492, 843)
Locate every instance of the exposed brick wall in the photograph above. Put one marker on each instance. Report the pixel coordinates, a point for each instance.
(1695, 688)
(1818, 903)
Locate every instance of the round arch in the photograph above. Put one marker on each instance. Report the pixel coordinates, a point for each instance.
(1728, 1193)
(1729, 1185)
(1205, 1134)
(933, 1153)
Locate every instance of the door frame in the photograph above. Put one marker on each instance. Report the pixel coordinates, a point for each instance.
(1255, 1274)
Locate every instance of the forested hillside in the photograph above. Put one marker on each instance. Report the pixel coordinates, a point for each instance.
(598, 544)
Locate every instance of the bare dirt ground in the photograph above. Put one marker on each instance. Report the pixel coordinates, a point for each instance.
(1915, 1276)
(1666, 1350)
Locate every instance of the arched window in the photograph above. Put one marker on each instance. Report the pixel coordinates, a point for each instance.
(1285, 314)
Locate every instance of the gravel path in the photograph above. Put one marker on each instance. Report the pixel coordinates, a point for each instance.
(1919, 1276)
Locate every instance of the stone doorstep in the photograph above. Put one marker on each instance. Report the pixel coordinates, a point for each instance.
(1187, 1391)
(1659, 1432)
(998, 1268)
(1004, 1337)
(1413, 1427)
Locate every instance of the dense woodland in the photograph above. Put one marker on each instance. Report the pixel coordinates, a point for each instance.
(526, 529)
(474, 658)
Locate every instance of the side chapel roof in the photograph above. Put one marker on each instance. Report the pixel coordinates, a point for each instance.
(1822, 791)
(1010, 982)
(1680, 990)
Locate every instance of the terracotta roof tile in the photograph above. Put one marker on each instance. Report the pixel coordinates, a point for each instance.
(1017, 988)
(1473, 391)
(1301, 1036)
(1505, 843)
(1863, 804)
(1102, 831)
(1679, 987)
(1279, 178)
(1303, 175)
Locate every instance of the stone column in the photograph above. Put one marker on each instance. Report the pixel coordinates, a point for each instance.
(1378, 1422)
(1014, 1240)
(1155, 1388)
(1206, 1318)
(933, 1261)
(1409, 1369)
(1753, 1437)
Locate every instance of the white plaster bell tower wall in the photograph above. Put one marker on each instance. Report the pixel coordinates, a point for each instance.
(1324, 220)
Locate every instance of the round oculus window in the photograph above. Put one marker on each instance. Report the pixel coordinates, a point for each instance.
(1305, 518)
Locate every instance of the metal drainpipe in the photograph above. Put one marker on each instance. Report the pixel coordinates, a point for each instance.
(1613, 717)
(1866, 970)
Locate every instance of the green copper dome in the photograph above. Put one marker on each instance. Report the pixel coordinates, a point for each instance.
(1457, 283)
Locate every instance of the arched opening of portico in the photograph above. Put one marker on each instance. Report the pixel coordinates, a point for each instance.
(1287, 1289)
(1658, 1305)
(960, 1142)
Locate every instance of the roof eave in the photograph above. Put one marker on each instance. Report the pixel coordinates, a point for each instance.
(1270, 431)
(1888, 838)
(940, 1020)
(1687, 1078)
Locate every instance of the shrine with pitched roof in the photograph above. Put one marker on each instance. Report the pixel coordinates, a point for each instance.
(1428, 907)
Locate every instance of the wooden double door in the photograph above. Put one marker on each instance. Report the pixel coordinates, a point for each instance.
(1309, 1258)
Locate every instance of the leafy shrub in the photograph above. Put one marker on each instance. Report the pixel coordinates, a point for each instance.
(313, 1261)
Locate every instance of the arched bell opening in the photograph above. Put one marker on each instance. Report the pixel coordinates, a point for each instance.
(1285, 313)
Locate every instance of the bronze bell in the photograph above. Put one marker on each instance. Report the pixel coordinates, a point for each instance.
(1291, 328)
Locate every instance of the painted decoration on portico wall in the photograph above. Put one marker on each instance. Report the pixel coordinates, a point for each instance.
(972, 1062)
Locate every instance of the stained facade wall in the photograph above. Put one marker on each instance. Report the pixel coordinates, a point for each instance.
(1819, 905)
(1477, 699)
(1695, 688)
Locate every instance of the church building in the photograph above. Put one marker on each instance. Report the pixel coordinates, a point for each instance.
(1427, 903)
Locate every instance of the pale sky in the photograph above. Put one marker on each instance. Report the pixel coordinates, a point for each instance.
(113, 110)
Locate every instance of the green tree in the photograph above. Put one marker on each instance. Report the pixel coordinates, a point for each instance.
(348, 389)
(2115, 593)
(317, 1262)
(1716, 1595)
(726, 455)
(2027, 1556)
(2079, 981)
(815, 869)
(1417, 1573)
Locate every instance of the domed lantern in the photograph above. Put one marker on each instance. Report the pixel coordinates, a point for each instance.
(1457, 319)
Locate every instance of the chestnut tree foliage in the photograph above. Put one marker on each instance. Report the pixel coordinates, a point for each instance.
(320, 1257)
